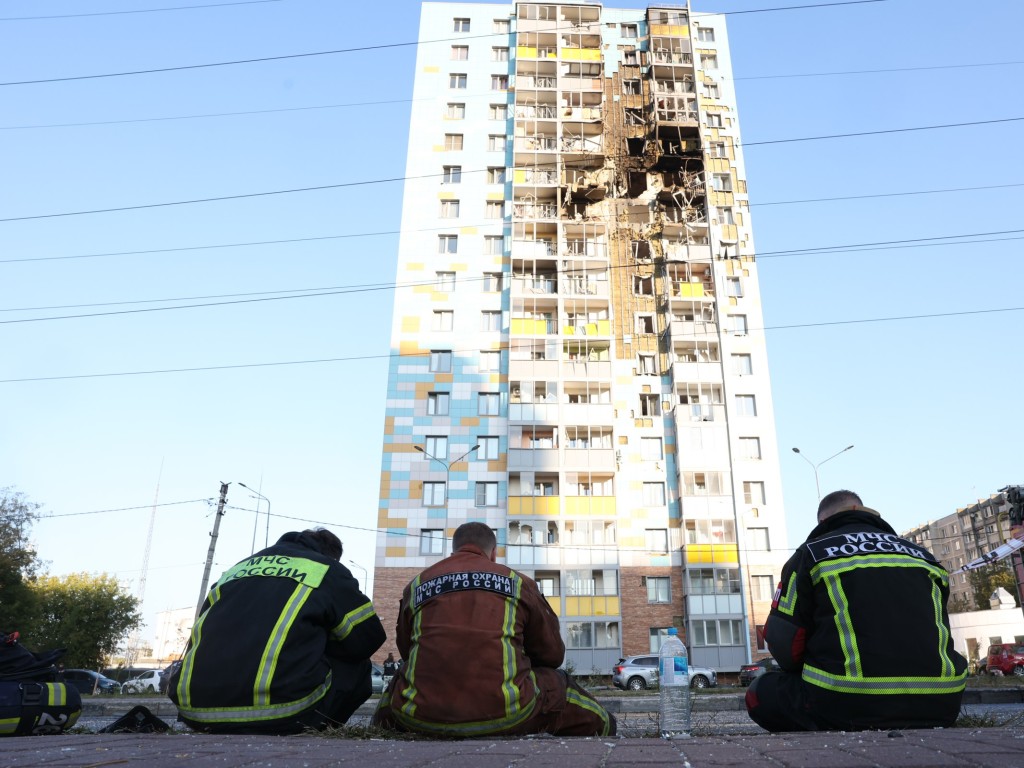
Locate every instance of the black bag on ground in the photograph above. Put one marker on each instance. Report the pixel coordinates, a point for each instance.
(138, 720)
(32, 700)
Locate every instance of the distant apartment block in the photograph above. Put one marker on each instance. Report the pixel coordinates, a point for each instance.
(578, 355)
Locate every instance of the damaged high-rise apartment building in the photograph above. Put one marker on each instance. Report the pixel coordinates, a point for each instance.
(577, 353)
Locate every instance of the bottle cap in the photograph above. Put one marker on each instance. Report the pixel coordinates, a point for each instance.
(673, 631)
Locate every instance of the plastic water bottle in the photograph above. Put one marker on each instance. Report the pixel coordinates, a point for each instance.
(674, 689)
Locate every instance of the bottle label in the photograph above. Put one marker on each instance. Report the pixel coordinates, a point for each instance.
(675, 671)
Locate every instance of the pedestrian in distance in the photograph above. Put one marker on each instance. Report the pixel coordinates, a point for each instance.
(481, 649)
(282, 645)
(860, 629)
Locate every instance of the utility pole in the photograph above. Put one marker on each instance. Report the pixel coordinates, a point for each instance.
(213, 546)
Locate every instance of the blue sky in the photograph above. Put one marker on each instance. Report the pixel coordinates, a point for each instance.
(931, 404)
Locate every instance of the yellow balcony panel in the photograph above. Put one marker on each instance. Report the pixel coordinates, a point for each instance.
(670, 30)
(556, 605)
(526, 326)
(590, 505)
(691, 290)
(712, 553)
(533, 505)
(580, 54)
(526, 52)
(496, 195)
(578, 606)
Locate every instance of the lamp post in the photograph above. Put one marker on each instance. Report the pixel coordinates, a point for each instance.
(357, 565)
(266, 542)
(814, 466)
(447, 482)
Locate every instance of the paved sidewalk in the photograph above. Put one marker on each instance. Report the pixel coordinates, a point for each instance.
(976, 748)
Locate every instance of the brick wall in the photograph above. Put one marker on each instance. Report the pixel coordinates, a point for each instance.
(388, 584)
(639, 616)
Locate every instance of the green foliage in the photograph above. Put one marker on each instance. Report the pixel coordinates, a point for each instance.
(985, 580)
(18, 561)
(87, 614)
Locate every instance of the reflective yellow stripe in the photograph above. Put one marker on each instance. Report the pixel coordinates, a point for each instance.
(509, 690)
(576, 698)
(884, 685)
(352, 620)
(408, 693)
(256, 714)
(56, 695)
(188, 661)
(478, 728)
(844, 625)
(787, 600)
(9, 725)
(272, 650)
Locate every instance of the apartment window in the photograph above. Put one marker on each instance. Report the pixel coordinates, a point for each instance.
(447, 243)
(651, 449)
(490, 321)
(438, 403)
(499, 53)
(499, 82)
(456, 111)
(494, 245)
(739, 324)
(746, 405)
(721, 182)
(499, 112)
(656, 539)
(654, 495)
(495, 175)
(496, 143)
(452, 174)
(733, 287)
(725, 217)
(444, 281)
(750, 447)
(650, 405)
(433, 494)
(492, 282)
(710, 632)
(658, 589)
(753, 492)
(488, 450)
(444, 320)
(486, 494)
(460, 52)
(460, 25)
(501, 26)
(711, 91)
(495, 209)
(742, 365)
(762, 587)
(457, 81)
(757, 540)
(643, 285)
(706, 34)
(431, 542)
(487, 404)
(718, 149)
(449, 209)
(645, 324)
(647, 365)
(490, 361)
(714, 120)
(631, 87)
(453, 141)
(436, 446)
(708, 61)
(628, 31)
(440, 361)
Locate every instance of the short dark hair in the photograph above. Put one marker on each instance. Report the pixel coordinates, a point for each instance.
(475, 533)
(836, 501)
(328, 544)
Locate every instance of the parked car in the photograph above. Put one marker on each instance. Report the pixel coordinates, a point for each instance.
(1005, 659)
(749, 671)
(636, 673)
(165, 674)
(147, 682)
(377, 679)
(87, 681)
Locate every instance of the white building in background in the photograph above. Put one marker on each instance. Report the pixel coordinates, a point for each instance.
(578, 358)
(172, 632)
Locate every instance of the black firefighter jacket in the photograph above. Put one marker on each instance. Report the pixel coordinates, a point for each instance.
(259, 650)
(860, 614)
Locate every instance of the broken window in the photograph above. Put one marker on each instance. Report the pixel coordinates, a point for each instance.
(643, 285)
(650, 405)
(631, 87)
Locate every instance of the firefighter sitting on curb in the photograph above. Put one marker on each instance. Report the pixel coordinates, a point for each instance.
(481, 647)
(282, 645)
(860, 629)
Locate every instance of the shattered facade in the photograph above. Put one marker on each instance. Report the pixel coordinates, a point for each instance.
(578, 358)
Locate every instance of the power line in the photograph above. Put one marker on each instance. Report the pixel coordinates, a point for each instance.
(126, 509)
(141, 10)
(359, 358)
(369, 182)
(879, 71)
(382, 46)
(303, 293)
(885, 194)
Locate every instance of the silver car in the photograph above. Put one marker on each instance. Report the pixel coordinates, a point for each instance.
(636, 673)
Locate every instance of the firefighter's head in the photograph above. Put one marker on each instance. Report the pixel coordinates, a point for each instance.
(836, 502)
(477, 534)
(326, 542)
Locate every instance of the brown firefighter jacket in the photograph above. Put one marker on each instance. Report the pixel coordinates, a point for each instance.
(471, 631)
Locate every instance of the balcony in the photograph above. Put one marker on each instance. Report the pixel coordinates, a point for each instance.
(546, 413)
(571, 286)
(534, 176)
(536, 111)
(691, 329)
(593, 459)
(536, 52)
(597, 328)
(524, 210)
(533, 249)
(588, 413)
(533, 326)
(533, 505)
(589, 506)
(686, 414)
(697, 250)
(691, 290)
(684, 373)
(587, 369)
(671, 57)
(520, 459)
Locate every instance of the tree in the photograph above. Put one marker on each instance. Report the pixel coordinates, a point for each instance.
(85, 613)
(986, 579)
(18, 561)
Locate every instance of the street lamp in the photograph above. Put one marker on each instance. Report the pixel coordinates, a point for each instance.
(357, 565)
(815, 466)
(267, 540)
(447, 482)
